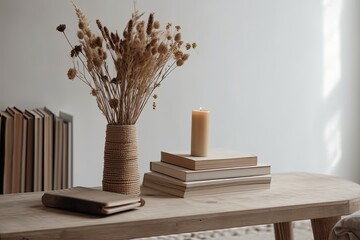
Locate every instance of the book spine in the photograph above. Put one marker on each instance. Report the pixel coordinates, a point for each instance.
(168, 171)
(71, 204)
(177, 160)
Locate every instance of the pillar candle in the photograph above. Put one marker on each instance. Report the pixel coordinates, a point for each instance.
(200, 124)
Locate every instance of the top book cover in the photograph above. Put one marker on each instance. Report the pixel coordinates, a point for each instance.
(216, 159)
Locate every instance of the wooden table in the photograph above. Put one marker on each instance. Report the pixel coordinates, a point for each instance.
(292, 196)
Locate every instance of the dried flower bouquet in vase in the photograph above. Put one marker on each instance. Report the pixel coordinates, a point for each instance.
(142, 57)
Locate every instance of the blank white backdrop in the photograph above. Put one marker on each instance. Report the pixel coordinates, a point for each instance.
(281, 79)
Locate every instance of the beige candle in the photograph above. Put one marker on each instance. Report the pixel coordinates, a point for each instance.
(200, 124)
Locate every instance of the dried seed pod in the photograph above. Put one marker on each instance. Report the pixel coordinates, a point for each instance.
(188, 46)
(98, 41)
(178, 54)
(106, 31)
(156, 25)
(99, 24)
(179, 62)
(113, 37)
(185, 57)
(71, 73)
(81, 25)
(130, 26)
(140, 26)
(153, 41)
(61, 28)
(97, 61)
(150, 24)
(162, 48)
(113, 103)
(168, 26)
(77, 49)
(178, 37)
(88, 33)
(153, 50)
(93, 92)
(80, 35)
(104, 78)
(104, 56)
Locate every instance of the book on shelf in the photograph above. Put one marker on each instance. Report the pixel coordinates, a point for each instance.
(17, 148)
(23, 154)
(216, 159)
(89, 200)
(205, 187)
(37, 151)
(68, 150)
(187, 175)
(58, 157)
(7, 130)
(29, 159)
(47, 155)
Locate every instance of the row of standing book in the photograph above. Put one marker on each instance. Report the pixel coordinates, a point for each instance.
(36, 150)
(183, 175)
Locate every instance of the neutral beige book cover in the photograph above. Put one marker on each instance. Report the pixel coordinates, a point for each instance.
(216, 159)
(89, 200)
(8, 128)
(198, 188)
(205, 192)
(17, 148)
(188, 175)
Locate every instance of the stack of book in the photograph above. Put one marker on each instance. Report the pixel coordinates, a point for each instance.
(35, 150)
(183, 175)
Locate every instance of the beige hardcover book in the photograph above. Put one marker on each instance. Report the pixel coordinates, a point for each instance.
(216, 159)
(17, 148)
(8, 133)
(187, 175)
(89, 200)
(163, 184)
(58, 154)
(65, 155)
(47, 148)
(182, 189)
(68, 119)
(204, 192)
(29, 159)
(38, 151)
(23, 153)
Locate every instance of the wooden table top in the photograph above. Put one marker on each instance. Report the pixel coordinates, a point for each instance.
(291, 197)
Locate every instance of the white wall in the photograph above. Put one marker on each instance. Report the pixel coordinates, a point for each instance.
(281, 79)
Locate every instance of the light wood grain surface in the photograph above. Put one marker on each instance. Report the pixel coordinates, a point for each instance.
(292, 196)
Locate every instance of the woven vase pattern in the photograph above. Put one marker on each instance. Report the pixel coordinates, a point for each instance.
(121, 172)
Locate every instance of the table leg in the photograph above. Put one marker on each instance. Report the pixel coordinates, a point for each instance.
(322, 227)
(283, 231)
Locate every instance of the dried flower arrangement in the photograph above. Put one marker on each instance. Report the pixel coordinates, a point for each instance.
(143, 57)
